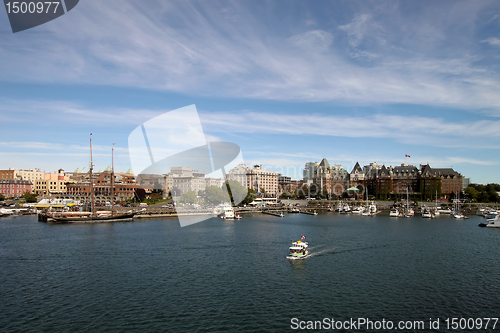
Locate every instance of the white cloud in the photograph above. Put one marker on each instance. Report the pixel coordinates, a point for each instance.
(408, 129)
(314, 40)
(229, 50)
(492, 41)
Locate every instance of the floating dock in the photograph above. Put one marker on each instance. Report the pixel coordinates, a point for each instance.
(278, 214)
(309, 213)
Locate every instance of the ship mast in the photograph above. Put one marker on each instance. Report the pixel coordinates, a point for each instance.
(112, 180)
(91, 180)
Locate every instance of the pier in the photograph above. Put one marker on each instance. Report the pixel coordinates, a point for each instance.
(278, 214)
(309, 213)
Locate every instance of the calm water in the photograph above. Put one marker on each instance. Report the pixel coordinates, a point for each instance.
(219, 276)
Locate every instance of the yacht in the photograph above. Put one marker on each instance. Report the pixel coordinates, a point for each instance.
(357, 210)
(394, 212)
(426, 213)
(491, 223)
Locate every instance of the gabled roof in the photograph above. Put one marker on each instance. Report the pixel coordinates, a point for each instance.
(428, 171)
(78, 170)
(356, 168)
(446, 172)
(383, 172)
(405, 169)
(324, 163)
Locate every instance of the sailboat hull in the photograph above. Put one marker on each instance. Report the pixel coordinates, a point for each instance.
(95, 219)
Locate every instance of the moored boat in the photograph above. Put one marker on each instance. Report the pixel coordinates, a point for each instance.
(93, 216)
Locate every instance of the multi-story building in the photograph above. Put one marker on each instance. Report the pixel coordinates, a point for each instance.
(451, 181)
(257, 179)
(284, 184)
(309, 171)
(183, 179)
(58, 175)
(30, 175)
(48, 187)
(14, 187)
(7, 174)
(124, 187)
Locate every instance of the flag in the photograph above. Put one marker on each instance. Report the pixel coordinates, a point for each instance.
(302, 237)
(407, 155)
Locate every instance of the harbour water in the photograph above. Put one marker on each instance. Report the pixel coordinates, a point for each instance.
(232, 276)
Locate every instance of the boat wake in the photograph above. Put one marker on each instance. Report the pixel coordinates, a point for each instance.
(317, 252)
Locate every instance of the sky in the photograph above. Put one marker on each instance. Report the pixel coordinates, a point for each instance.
(288, 81)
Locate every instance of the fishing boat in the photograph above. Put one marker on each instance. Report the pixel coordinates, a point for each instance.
(93, 216)
(298, 250)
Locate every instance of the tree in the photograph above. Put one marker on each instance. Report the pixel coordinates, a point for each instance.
(237, 193)
(2, 198)
(471, 193)
(188, 197)
(302, 192)
(251, 195)
(29, 197)
(215, 195)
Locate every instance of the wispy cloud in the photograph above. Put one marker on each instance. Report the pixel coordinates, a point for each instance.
(409, 129)
(492, 41)
(237, 49)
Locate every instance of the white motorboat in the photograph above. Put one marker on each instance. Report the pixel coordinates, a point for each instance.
(394, 212)
(298, 250)
(357, 210)
(491, 223)
(227, 212)
(426, 213)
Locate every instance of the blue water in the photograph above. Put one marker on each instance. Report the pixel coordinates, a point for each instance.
(232, 276)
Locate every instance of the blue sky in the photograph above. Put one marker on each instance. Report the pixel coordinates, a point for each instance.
(288, 81)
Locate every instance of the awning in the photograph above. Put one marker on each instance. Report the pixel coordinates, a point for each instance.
(355, 189)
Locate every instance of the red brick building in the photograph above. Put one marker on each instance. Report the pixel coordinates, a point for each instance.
(14, 187)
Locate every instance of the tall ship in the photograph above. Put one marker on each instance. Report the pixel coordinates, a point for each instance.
(93, 216)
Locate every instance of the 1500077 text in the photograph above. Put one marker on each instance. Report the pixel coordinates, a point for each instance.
(31, 7)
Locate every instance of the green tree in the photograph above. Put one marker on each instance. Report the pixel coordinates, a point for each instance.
(471, 193)
(215, 195)
(2, 198)
(188, 197)
(250, 197)
(29, 197)
(302, 192)
(237, 193)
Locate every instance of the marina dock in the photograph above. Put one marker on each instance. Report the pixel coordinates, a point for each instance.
(278, 214)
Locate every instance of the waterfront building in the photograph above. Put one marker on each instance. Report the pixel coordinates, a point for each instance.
(451, 181)
(58, 175)
(44, 186)
(30, 175)
(284, 184)
(7, 174)
(10, 188)
(124, 187)
(183, 179)
(309, 171)
(256, 178)
(357, 176)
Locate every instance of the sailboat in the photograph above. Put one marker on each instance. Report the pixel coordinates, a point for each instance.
(94, 216)
(456, 208)
(409, 211)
